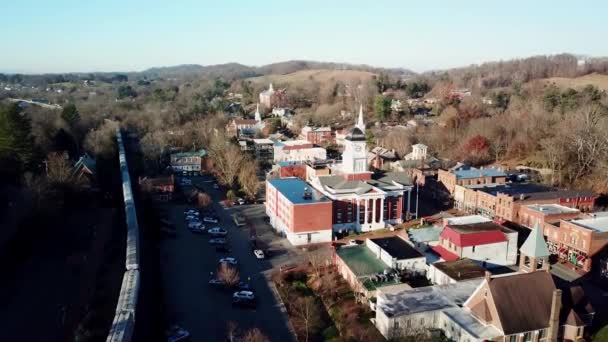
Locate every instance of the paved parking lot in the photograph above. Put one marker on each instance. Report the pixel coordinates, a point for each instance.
(188, 259)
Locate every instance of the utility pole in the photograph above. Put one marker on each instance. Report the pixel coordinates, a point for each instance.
(417, 196)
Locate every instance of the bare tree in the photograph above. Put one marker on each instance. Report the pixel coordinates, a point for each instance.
(227, 159)
(255, 335)
(307, 311)
(101, 141)
(58, 167)
(230, 275)
(232, 331)
(248, 178)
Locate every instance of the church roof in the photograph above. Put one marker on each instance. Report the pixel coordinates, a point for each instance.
(355, 134)
(535, 245)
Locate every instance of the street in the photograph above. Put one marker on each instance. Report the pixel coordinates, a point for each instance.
(187, 263)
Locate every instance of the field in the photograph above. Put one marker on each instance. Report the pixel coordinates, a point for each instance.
(321, 76)
(600, 81)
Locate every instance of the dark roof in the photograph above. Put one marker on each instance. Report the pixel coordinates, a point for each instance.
(294, 188)
(534, 196)
(461, 269)
(513, 189)
(523, 301)
(397, 248)
(355, 134)
(574, 305)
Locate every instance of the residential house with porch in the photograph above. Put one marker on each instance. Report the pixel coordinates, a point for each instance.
(188, 162)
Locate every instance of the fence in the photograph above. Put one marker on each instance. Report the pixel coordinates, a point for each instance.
(124, 319)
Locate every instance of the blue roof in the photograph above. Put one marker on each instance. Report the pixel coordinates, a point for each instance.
(476, 173)
(289, 163)
(293, 189)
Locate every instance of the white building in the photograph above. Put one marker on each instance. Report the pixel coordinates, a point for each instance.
(266, 96)
(418, 152)
(298, 150)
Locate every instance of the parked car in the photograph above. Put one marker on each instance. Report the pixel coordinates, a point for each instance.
(217, 241)
(244, 298)
(217, 231)
(215, 186)
(191, 212)
(210, 219)
(228, 260)
(239, 201)
(176, 333)
(239, 220)
(243, 286)
(195, 223)
(259, 253)
(192, 217)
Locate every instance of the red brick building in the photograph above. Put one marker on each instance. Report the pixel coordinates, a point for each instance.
(299, 212)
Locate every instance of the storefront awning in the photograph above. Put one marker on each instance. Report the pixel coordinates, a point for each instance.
(562, 250)
(580, 258)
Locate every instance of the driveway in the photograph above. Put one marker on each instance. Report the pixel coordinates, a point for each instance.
(187, 261)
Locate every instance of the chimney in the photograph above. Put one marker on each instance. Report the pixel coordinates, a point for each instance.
(556, 306)
(488, 276)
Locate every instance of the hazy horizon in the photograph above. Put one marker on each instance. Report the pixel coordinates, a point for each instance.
(70, 36)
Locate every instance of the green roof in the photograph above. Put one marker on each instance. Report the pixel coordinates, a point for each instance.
(199, 153)
(361, 260)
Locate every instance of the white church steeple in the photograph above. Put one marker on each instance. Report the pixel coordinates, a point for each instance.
(258, 116)
(360, 124)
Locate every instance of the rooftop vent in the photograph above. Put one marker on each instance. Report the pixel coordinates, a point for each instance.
(307, 193)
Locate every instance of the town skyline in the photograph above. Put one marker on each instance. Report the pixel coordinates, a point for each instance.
(113, 37)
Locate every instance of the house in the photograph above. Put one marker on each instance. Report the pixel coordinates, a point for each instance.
(379, 157)
(378, 263)
(479, 239)
(298, 212)
(468, 175)
(450, 272)
(419, 152)
(84, 171)
(297, 150)
(159, 188)
(317, 135)
(188, 162)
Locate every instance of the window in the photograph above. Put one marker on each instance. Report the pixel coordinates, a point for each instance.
(396, 325)
(528, 337)
(408, 323)
(422, 321)
(512, 338)
(580, 332)
(473, 249)
(542, 333)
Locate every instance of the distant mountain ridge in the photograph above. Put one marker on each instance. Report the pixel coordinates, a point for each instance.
(236, 70)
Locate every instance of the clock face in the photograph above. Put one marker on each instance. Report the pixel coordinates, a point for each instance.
(357, 148)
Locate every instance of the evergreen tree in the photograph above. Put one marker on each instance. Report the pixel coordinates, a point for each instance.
(70, 115)
(16, 141)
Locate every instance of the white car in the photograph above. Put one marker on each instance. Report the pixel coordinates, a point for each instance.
(218, 231)
(209, 219)
(259, 253)
(228, 260)
(217, 241)
(192, 218)
(243, 295)
(192, 212)
(215, 186)
(176, 333)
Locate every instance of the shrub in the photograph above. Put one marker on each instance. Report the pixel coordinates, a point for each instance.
(296, 276)
(330, 333)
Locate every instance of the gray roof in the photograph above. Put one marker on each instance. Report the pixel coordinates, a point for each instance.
(381, 180)
(425, 234)
(425, 299)
(463, 318)
(535, 245)
(294, 188)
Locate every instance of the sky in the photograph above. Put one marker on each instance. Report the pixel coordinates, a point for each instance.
(132, 35)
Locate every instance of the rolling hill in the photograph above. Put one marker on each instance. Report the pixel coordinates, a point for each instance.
(600, 81)
(317, 75)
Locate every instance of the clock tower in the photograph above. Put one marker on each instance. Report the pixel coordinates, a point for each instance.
(354, 158)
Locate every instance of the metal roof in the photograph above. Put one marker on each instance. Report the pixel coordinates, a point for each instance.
(477, 173)
(535, 245)
(293, 189)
